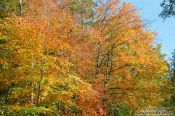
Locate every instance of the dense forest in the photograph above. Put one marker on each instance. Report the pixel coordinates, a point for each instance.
(80, 58)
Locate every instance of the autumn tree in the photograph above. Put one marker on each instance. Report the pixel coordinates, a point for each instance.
(79, 57)
(121, 58)
(42, 63)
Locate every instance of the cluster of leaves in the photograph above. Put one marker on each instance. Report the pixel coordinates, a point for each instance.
(79, 57)
(8, 8)
(168, 8)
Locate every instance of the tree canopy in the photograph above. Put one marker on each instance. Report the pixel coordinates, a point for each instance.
(168, 8)
(79, 57)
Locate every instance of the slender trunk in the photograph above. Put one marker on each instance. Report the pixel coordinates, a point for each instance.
(82, 21)
(20, 7)
(32, 93)
(97, 60)
(39, 87)
(107, 67)
(32, 85)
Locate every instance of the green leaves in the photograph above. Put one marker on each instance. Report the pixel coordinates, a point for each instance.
(7, 7)
(31, 111)
(119, 110)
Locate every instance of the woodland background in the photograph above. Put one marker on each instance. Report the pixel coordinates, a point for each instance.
(80, 57)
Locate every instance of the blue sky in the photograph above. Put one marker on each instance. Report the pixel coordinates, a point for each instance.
(150, 9)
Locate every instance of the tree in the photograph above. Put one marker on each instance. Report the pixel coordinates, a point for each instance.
(64, 58)
(168, 11)
(168, 8)
(172, 77)
(173, 63)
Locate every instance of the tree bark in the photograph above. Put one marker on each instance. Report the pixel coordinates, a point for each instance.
(20, 7)
(39, 87)
(32, 93)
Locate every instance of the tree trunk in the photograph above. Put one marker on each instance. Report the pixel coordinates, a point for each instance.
(20, 7)
(39, 87)
(32, 93)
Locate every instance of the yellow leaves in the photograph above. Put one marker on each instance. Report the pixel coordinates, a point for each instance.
(70, 90)
(112, 58)
(165, 68)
